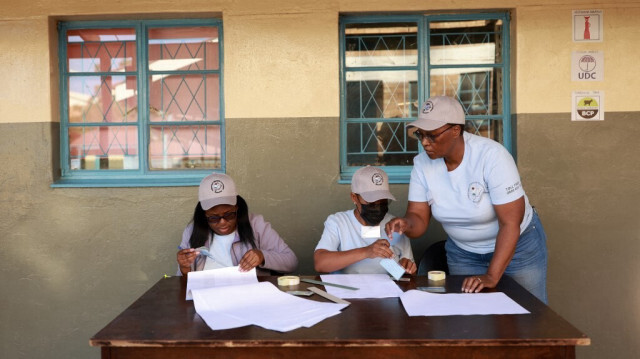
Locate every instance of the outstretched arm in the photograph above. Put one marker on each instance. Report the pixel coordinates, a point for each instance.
(414, 223)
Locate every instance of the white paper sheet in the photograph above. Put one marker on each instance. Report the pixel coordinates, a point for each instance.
(218, 278)
(419, 303)
(369, 286)
(261, 304)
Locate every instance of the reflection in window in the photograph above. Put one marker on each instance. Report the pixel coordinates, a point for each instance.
(387, 72)
(121, 114)
(381, 60)
(457, 51)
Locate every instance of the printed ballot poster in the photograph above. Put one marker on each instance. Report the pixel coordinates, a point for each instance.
(587, 25)
(587, 66)
(587, 106)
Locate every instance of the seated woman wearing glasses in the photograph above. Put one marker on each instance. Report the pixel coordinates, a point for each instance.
(231, 235)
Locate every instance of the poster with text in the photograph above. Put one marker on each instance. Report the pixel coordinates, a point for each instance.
(587, 25)
(587, 106)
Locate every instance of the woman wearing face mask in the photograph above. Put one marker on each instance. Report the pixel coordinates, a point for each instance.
(354, 241)
(230, 234)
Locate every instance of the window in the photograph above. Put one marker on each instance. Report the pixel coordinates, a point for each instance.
(390, 65)
(141, 102)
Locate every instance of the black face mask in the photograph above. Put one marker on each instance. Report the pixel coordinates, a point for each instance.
(373, 213)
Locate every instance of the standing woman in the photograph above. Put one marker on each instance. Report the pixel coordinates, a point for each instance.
(471, 185)
(232, 236)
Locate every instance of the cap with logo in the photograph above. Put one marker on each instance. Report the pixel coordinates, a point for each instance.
(436, 112)
(372, 184)
(216, 189)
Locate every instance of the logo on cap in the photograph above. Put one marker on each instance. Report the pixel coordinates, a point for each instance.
(377, 179)
(428, 107)
(217, 186)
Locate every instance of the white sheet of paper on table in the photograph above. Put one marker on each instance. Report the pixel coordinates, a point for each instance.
(260, 304)
(419, 303)
(369, 286)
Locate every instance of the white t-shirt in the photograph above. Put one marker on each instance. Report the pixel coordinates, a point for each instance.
(342, 232)
(221, 251)
(462, 200)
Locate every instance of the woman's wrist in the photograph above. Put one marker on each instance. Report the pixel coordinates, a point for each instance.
(185, 270)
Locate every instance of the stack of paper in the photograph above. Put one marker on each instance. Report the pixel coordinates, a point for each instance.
(218, 278)
(229, 305)
(369, 285)
(419, 303)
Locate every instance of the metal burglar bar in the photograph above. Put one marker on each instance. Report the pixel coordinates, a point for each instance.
(140, 102)
(391, 64)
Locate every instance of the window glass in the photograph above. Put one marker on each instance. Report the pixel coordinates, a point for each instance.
(392, 64)
(465, 42)
(98, 99)
(387, 44)
(103, 148)
(101, 50)
(161, 118)
(183, 48)
(183, 147)
(380, 87)
(184, 97)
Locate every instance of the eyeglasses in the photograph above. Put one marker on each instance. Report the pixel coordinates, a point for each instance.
(430, 138)
(227, 217)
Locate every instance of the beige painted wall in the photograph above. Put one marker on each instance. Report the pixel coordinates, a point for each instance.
(24, 59)
(72, 259)
(543, 59)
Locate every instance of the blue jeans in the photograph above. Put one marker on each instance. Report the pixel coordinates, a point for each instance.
(528, 266)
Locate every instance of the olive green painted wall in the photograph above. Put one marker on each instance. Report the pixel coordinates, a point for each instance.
(72, 259)
(584, 177)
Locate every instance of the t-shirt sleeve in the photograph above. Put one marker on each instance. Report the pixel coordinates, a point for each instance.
(330, 239)
(418, 187)
(503, 179)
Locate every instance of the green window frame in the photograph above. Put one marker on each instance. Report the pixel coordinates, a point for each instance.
(141, 102)
(390, 64)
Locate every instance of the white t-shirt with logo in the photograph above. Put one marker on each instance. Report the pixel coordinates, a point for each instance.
(462, 200)
(343, 232)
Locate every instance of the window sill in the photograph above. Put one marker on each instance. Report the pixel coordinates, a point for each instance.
(124, 181)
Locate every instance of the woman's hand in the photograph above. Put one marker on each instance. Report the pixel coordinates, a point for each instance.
(408, 265)
(250, 260)
(380, 248)
(477, 283)
(398, 225)
(186, 257)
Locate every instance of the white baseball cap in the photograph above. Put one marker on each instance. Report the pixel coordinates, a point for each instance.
(372, 184)
(438, 111)
(215, 189)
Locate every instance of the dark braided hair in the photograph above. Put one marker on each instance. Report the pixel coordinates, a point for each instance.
(201, 229)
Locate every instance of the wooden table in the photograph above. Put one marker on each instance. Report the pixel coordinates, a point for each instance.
(161, 324)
